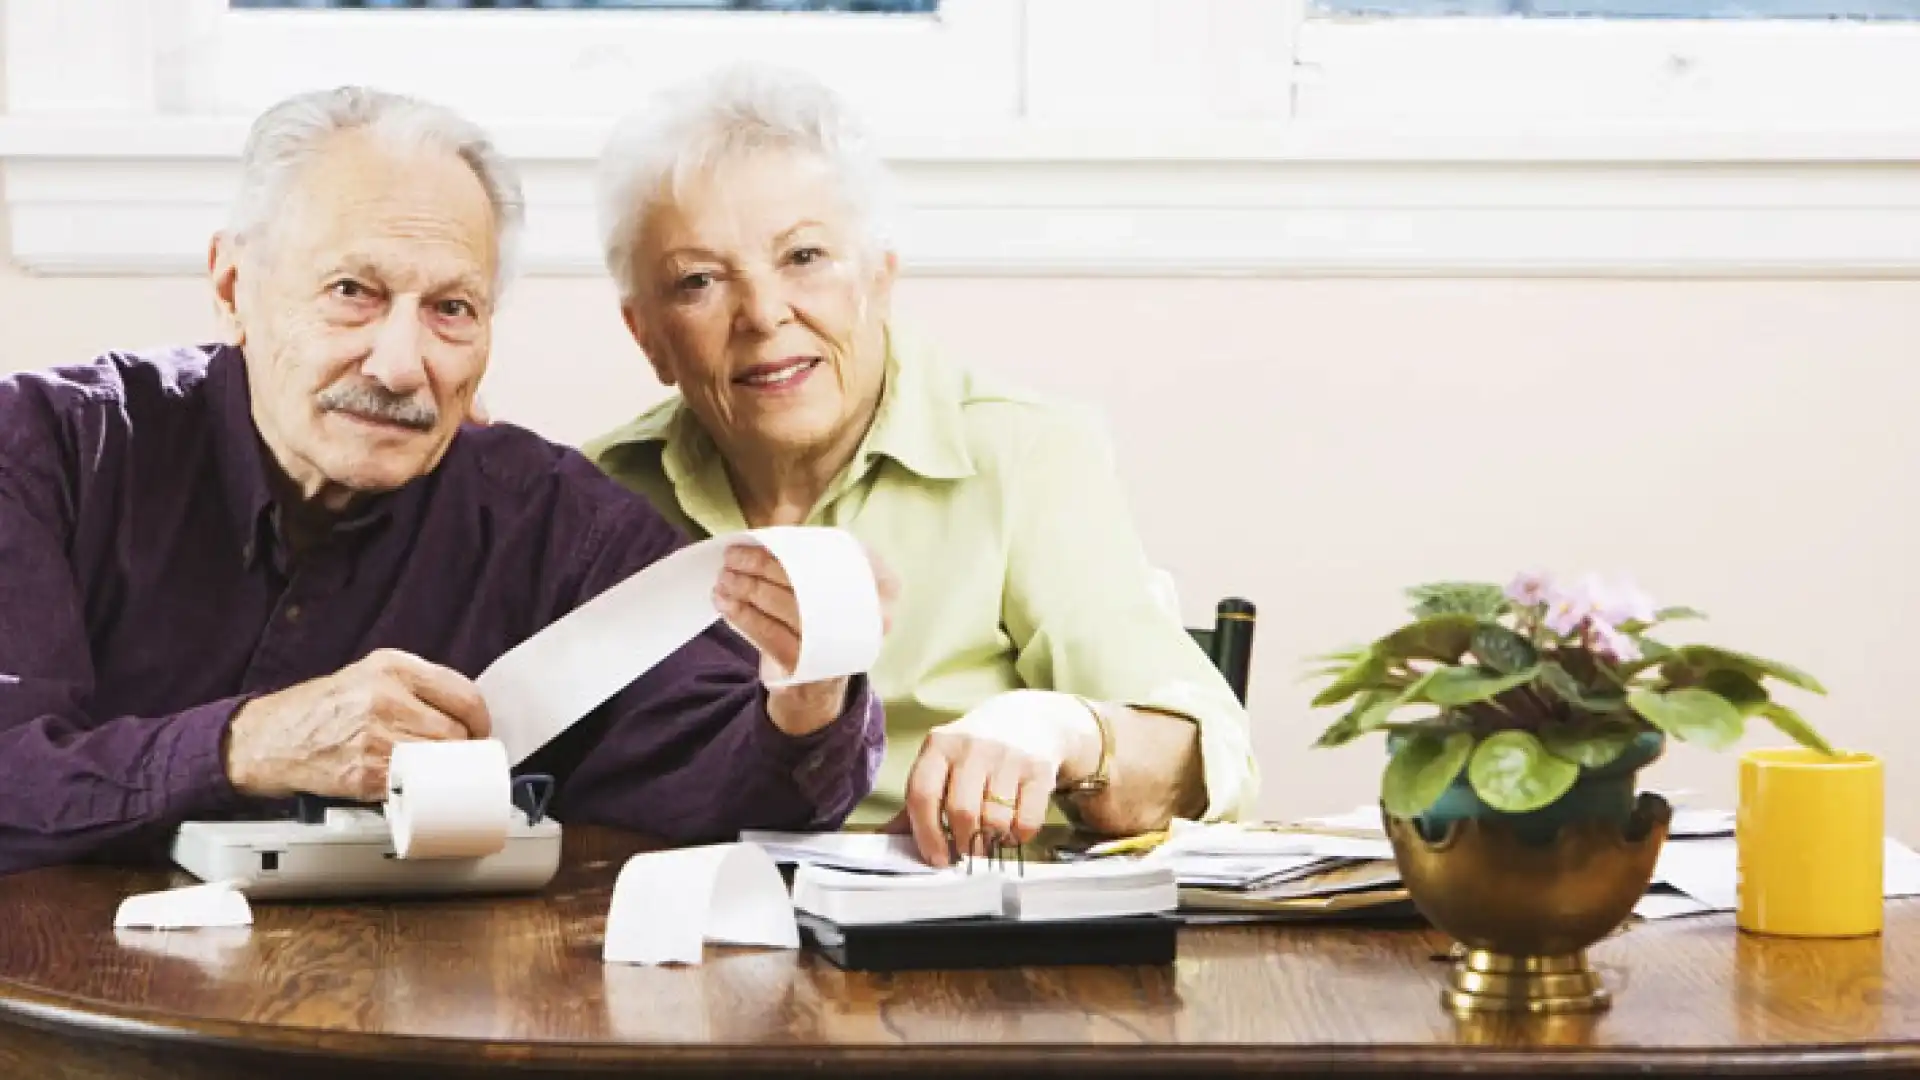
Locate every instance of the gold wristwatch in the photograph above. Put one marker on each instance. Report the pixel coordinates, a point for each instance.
(1096, 782)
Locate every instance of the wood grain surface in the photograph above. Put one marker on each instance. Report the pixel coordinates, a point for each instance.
(475, 986)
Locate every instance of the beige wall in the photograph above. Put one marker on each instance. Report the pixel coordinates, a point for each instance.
(1743, 447)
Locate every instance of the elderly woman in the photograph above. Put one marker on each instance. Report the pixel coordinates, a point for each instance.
(1029, 663)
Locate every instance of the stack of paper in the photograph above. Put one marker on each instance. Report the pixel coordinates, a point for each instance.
(865, 879)
(871, 853)
(1696, 872)
(1087, 890)
(857, 899)
(1704, 873)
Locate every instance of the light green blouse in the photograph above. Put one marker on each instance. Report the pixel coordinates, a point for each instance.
(1018, 559)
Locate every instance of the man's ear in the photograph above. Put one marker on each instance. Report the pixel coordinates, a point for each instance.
(630, 314)
(223, 271)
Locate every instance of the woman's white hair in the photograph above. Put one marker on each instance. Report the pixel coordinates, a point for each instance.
(288, 136)
(734, 112)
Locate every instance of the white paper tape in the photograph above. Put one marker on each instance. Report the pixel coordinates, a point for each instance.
(216, 903)
(668, 904)
(553, 679)
(449, 800)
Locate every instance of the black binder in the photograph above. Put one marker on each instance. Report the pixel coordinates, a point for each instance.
(960, 944)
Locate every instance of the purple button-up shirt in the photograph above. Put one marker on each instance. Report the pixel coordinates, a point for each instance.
(145, 596)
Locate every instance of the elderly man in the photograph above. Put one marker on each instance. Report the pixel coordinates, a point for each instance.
(241, 571)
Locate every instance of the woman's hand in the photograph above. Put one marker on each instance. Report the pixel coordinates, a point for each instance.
(756, 596)
(994, 770)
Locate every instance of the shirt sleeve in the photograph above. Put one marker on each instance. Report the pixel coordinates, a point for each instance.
(1082, 613)
(687, 752)
(78, 785)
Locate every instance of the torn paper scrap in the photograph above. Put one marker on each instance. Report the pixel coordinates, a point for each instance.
(548, 682)
(668, 904)
(212, 904)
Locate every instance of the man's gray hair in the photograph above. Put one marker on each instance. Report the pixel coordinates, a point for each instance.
(292, 133)
(731, 113)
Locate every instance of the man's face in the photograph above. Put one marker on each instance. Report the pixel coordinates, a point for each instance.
(363, 310)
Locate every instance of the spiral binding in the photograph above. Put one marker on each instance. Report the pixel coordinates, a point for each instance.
(986, 848)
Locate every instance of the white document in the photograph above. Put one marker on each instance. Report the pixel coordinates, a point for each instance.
(1364, 818)
(548, 682)
(1692, 822)
(1708, 870)
(1238, 839)
(1666, 905)
(215, 903)
(449, 800)
(668, 904)
(872, 853)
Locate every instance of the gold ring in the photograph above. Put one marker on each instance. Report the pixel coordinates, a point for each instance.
(1000, 800)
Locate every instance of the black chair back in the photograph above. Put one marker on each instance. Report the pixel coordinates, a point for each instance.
(1229, 642)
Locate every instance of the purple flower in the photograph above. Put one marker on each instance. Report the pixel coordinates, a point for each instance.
(1530, 588)
(1567, 609)
(1620, 601)
(1611, 643)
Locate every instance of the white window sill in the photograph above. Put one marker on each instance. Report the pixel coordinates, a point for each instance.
(99, 194)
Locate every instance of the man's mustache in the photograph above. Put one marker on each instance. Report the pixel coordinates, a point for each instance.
(375, 403)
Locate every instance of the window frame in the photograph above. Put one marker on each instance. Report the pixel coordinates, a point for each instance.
(1195, 137)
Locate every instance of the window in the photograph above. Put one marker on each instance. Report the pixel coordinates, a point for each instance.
(570, 61)
(1067, 136)
(876, 6)
(1904, 10)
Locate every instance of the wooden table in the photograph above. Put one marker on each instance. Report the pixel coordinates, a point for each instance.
(516, 986)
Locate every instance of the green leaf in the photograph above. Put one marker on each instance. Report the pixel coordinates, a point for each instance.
(1365, 674)
(1482, 601)
(1591, 745)
(1370, 712)
(1512, 771)
(1340, 657)
(1692, 715)
(1452, 687)
(1438, 637)
(1690, 662)
(1568, 689)
(1741, 690)
(1422, 770)
(1794, 727)
(1503, 650)
(1664, 615)
(1372, 715)
(1339, 733)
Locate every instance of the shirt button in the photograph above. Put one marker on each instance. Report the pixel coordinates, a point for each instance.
(813, 762)
(293, 612)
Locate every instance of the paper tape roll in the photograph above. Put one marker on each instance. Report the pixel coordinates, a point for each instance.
(545, 684)
(449, 800)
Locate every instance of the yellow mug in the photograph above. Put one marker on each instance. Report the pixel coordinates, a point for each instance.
(1810, 831)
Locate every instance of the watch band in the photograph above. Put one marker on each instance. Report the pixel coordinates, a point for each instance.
(1096, 782)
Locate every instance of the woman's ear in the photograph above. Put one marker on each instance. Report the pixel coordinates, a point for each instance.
(637, 326)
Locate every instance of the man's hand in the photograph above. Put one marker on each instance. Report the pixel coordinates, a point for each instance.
(757, 598)
(334, 736)
(995, 770)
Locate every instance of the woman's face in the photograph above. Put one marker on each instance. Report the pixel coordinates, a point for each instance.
(759, 296)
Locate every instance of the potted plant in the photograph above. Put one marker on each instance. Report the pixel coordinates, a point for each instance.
(1517, 721)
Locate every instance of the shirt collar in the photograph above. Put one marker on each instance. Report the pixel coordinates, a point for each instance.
(920, 424)
(243, 464)
(921, 421)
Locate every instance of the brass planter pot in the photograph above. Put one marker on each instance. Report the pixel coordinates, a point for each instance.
(1526, 913)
